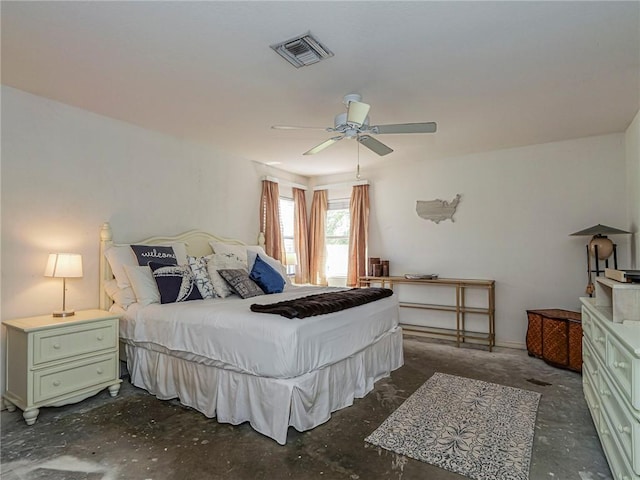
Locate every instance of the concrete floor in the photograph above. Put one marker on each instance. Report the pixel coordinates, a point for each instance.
(136, 436)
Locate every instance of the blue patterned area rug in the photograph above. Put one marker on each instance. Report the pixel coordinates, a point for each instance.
(480, 430)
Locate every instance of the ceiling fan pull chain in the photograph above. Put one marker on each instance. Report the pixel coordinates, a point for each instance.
(358, 155)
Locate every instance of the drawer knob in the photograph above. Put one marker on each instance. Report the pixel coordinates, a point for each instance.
(100, 337)
(620, 365)
(624, 429)
(56, 383)
(600, 339)
(56, 346)
(100, 371)
(606, 393)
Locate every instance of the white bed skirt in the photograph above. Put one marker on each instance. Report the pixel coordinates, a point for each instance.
(270, 405)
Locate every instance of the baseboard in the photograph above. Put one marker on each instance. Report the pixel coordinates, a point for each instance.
(516, 345)
(417, 333)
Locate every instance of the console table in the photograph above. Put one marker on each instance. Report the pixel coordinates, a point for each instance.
(460, 308)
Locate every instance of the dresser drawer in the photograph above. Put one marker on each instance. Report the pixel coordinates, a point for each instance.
(589, 360)
(64, 379)
(587, 323)
(621, 364)
(613, 450)
(65, 342)
(590, 388)
(594, 332)
(624, 427)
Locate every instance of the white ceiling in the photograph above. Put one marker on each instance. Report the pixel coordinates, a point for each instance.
(492, 74)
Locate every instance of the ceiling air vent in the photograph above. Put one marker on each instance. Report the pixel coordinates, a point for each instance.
(302, 50)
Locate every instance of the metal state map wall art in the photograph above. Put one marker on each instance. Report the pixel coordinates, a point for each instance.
(437, 210)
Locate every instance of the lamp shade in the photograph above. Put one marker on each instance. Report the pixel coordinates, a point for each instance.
(599, 230)
(64, 265)
(291, 259)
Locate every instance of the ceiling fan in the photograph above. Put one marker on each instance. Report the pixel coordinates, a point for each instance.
(354, 123)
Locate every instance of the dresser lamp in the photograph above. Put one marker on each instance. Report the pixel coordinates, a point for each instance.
(600, 248)
(64, 265)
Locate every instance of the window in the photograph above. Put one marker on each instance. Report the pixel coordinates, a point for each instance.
(337, 237)
(286, 226)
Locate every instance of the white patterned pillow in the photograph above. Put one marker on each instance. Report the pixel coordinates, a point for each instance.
(240, 251)
(223, 261)
(201, 273)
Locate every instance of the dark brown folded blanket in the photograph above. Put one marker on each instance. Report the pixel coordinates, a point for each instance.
(322, 303)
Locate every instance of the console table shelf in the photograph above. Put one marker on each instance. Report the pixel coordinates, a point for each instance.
(460, 333)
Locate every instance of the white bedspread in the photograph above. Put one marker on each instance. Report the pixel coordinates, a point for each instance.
(230, 336)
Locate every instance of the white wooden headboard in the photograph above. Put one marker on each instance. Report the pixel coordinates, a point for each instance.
(197, 242)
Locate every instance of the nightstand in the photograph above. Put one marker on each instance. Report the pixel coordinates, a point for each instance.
(55, 361)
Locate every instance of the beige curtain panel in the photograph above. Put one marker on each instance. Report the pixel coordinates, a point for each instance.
(317, 250)
(358, 234)
(270, 220)
(301, 235)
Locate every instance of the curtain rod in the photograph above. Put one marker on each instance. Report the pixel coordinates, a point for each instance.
(341, 185)
(286, 183)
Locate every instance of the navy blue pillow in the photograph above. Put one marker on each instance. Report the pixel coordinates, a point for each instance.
(176, 283)
(154, 253)
(267, 278)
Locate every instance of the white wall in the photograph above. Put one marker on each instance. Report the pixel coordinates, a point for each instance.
(513, 222)
(632, 150)
(65, 171)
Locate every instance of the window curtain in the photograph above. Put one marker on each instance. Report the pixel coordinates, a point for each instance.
(301, 235)
(358, 234)
(270, 220)
(317, 251)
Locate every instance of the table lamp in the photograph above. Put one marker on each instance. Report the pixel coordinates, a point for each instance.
(64, 265)
(600, 248)
(290, 259)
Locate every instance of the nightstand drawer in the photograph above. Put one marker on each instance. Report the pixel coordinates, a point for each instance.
(54, 382)
(65, 342)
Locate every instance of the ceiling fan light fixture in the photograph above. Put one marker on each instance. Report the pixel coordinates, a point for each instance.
(357, 112)
(302, 50)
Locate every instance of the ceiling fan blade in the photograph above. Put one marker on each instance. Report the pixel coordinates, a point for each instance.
(428, 127)
(295, 127)
(323, 145)
(357, 112)
(374, 145)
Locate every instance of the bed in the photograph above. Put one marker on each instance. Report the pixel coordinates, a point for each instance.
(235, 365)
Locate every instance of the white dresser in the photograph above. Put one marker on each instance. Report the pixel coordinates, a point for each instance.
(55, 361)
(611, 374)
